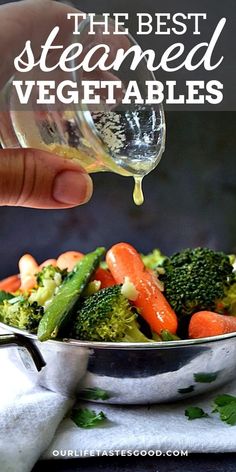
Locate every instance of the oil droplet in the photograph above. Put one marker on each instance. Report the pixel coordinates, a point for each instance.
(138, 191)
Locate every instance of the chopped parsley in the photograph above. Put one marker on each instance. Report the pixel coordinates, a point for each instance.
(204, 377)
(225, 405)
(94, 394)
(194, 413)
(85, 418)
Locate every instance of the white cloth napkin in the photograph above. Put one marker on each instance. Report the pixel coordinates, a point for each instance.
(158, 428)
(30, 416)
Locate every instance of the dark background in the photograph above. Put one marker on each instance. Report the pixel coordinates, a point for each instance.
(190, 201)
(190, 197)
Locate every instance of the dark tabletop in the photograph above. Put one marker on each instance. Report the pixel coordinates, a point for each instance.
(193, 463)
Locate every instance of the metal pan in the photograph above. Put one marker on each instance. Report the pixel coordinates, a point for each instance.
(126, 373)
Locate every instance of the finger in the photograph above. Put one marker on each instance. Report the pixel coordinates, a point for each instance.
(38, 179)
(29, 20)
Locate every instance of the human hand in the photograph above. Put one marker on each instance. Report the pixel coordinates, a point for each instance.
(29, 177)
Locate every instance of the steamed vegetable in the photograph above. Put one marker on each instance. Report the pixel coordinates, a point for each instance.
(167, 336)
(196, 280)
(48, 281)
(124, 261)
(48, 262)
(154, 259)
(192, 293)
(205, 323)
(58, 312)
(105, 277)
(19, 313)
(69, 259)
(107, 316)
(28, 268)
(5, 296)
(10, 284)
(228, 303)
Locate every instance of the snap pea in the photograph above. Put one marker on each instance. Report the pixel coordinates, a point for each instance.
(5, 296)
(57, 314)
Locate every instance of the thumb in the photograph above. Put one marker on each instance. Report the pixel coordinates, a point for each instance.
(38, 179)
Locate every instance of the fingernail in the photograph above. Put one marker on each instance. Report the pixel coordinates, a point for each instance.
(72, 188)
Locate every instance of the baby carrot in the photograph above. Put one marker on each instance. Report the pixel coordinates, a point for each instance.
(28, 268)
(68, 260)
(124, 261)
(105, 277)
(10, 284)
(206, 324)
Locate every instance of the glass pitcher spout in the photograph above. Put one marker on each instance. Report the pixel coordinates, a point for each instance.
(126, 139)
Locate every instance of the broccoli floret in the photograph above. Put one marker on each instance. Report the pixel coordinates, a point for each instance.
(228, 304)
(48, 281)
(107, 316)
(51, 273)
(196, 279)
(154, 259)
(232, 258)
(19, 313)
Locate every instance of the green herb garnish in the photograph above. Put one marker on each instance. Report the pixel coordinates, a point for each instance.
(194, 413)
(225, 405)
(85, 418)
(94, 394)
(206, 377)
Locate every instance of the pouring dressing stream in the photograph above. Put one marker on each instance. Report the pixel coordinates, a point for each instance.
(126, 139)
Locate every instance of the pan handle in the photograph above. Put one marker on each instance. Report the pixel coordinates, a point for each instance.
(9, 340)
